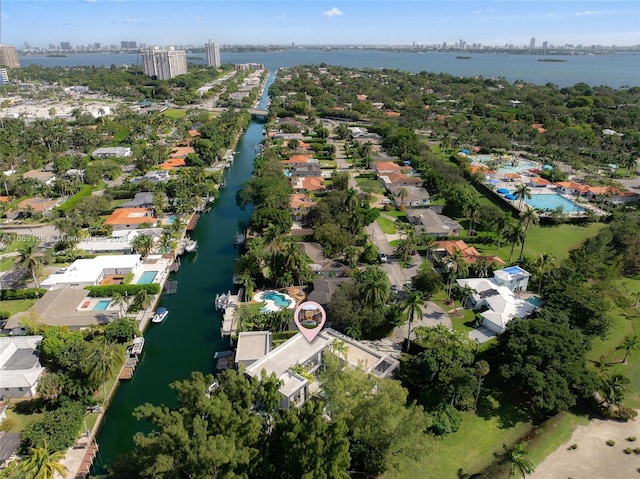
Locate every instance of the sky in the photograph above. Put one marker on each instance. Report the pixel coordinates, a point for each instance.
(310, 22)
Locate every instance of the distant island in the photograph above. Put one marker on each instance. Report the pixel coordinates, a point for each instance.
(56, 55)
(463, 57)
(193, 58)
(552, 60)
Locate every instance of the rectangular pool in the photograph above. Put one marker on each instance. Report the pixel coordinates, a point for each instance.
(102, 305)
(147, 277)
(551, 202)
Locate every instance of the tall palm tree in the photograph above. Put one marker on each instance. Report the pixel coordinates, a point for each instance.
(142, 244)
(43, 465)
(352, 253)
(246, 280)
(120, 300)
(473, 209)
(481, 369)
(352, 200)
(544, 261)
(529, 217)
(522, 192)
(614, 386)
(102, 362)
(515, 235)
(402, 195)
(629, 343)
(33, 259)
(515, 457)
(339, 347)
(502, 225)
(455, 266)
(142, 299)
(412, 307)
(296, 262)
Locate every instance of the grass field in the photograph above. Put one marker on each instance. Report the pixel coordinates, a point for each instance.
(174, 113)
(16, 305)
(370, 186)
(388, 226)
(557, 240)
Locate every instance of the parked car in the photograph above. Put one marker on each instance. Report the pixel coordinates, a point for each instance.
(383, 257)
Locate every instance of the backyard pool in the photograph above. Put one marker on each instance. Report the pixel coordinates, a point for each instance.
(102, 305)
(536, 301)
(522, 164)
(274, 301)
(147, 277)
(551, 202)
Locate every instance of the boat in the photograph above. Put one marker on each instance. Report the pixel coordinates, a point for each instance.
(161, 314)
(223, 359)
(222, 301)
(191, 245)
(239, 238)
(136, 346)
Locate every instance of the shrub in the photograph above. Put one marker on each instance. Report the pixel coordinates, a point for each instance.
(4, 315)
(636, 451)
(611, 442)
(28, 293)
(121, 330)
(574, 446)
(631, 438)
(628, 450)
(58, 427)
(123, 289)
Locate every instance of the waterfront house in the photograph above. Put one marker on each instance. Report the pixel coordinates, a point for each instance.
(297, 351)
(20, 366)
(120, 241)
(112, 152)
(300, 204)
(433, 223)
(251, 346)
(306, 171)
(140, 200)
(299, 160)
(308, 184)
(324, 288)
(131, 218)
(91, 272)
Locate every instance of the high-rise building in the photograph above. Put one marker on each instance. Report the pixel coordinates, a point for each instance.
(9, 57)
(164, 64)
(65, 46)
(213, 54)
(532, 43)
(4, 76)
(545, 45)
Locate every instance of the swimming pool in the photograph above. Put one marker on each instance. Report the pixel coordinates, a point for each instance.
(147, 277)
(552, 202)
(536, 301)
(522, 165)
(102, 305)
(274, 301)
(278, 299)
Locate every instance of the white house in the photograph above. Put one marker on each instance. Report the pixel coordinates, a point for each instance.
(90, 272)
(309, 354)
(20, 366)
(500, 296)
(112, 151)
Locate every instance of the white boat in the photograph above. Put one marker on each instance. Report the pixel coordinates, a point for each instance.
(239, 238)
(136, 347)
(191, 245)
(161, 314)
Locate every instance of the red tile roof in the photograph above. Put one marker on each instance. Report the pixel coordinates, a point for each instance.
(131, 216)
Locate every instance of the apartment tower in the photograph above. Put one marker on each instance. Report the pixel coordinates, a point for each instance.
(9, 57)
(213, 54)
(164, 64)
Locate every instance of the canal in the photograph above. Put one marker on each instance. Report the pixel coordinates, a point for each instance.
(188, 338)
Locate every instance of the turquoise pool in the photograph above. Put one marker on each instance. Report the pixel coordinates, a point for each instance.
(102, 305)
(552, 202)
(522, 165)
(147, 277)
(278, 299)
(536, 301)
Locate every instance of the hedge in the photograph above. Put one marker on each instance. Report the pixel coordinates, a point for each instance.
(58, 427)
(28, 293)
(71, 203)
(123, 289)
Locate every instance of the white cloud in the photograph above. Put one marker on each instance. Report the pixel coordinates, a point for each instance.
(130, 21)
(480, 12)
(586, 12)
(334, 12)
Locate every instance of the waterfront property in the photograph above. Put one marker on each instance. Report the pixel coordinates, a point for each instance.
(298, 352)
(91, 272)
(20, 366)
(130, 218)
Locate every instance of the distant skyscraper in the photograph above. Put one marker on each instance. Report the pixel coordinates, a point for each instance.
(213, 54)
(65, 46)
(9, 57)
(4, 76)
(164, 64)
(545, 45)
(532, 43)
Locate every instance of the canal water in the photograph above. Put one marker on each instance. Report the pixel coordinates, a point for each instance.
(188, 338)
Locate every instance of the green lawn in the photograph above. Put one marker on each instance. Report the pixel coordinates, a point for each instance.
(16, 305)
(370, 185)
(388, 226)
(397, 214)
(8, 262)
(18, 422)
(175, 113)
(557, 240)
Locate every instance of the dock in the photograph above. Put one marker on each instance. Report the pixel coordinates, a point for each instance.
(170, 287)
(229, 323)
(193, 222)
(87, 461)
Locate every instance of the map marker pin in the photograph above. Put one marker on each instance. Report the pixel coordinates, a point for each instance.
(309, 317)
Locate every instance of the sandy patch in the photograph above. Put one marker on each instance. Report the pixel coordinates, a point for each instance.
(594, 459)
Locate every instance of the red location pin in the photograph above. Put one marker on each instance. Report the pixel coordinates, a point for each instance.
(309, 317)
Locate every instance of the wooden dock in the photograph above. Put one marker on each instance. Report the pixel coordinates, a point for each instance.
(129, 368)
(193, 222)
(87, 461)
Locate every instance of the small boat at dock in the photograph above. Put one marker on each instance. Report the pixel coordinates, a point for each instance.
(191, 246)
(223, 359)
(161, 314)
(222, 300)
(136, 346)
(239, 238)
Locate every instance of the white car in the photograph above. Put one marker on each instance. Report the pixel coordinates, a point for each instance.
(383, 257)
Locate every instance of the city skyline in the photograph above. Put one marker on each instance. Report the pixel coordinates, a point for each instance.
(167, 22)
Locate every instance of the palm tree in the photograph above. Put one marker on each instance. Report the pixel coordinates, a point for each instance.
(521, 193)
(455, 264)
(412, 307)
(481, 369)
(529, 217)
(120, 300)
(402, 196)
(515, 457)
(43, 465)
(296, 262)
(614, 386)
(472, 211)
(374, 285)
(352, 253)
(103, 361)
(142, 299)
(32, 259)
(352, 200)
(165, 243)
(502, 225)
(142, 244)
(629, 343)
(544, 261)
(515, 235)
(339, 347)
(246, 280)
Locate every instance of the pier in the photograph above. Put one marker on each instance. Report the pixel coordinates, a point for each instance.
(193, 222)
